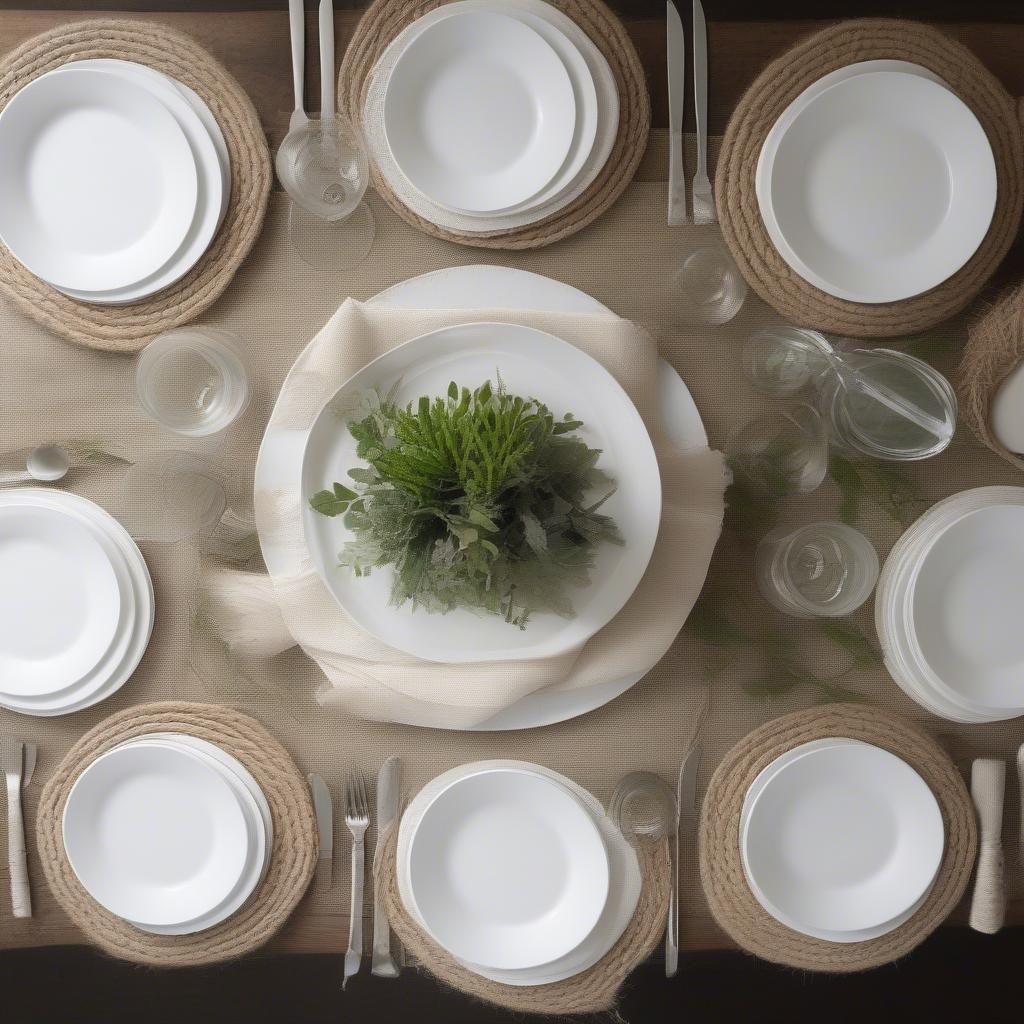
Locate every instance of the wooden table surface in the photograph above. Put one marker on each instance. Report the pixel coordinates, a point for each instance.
(252, 41)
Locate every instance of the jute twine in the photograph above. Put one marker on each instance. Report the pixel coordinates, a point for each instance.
(384, 19)
(128, 328)
(994, 349)
(293, 856)
(769, 95)
(591, 991)
(734, 906)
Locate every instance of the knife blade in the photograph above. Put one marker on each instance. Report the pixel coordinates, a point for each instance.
(325, 826)
(703, 202)
(686, 808)
(31, 752)
(389, 782)
(675, 45)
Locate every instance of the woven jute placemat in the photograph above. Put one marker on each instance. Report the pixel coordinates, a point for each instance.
(128, 328)
(591, 991)
(384, 19)
(730, 899)
(776, 87)
(293, 856)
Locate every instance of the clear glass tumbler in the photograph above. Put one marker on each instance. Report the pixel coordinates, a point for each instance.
(781, 361)
(708, 287)
(825, 570)
(784, 452)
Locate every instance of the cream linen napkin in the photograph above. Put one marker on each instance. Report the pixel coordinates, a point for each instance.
(371, 679)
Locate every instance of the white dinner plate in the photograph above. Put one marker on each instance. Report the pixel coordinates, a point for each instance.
(155, 835)
(878, 187)
(507, 870)
(127, 651)
(213, 181)
(843, 838)
(60, 602)
(98, 184)
(529, 363)
(861, 935)
(624, 879)
(479, 112)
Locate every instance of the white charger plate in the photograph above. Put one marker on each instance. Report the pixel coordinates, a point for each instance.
(843, 838)
(876, 185)
(210, 152)
(127, 652)
(861, 935)
(530, 363)
(624, 873)
(155, 834)
(479, 112)
(98, 184)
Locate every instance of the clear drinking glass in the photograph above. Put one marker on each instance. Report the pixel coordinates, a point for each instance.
(708, 286)
(781, 361)
(781, 453)
(193, 381)
(324, 169)
(823, 570)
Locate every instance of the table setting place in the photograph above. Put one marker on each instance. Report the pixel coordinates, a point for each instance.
(529, 618)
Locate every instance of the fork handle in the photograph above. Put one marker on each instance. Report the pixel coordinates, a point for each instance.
(355, 926)
(17, 860)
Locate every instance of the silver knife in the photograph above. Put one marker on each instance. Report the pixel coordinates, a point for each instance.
(686, 812)
(703, 201)
(389, 785)
(675, 46)
(325, 826)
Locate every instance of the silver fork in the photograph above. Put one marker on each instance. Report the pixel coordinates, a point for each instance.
(17, 762)
(357, 817)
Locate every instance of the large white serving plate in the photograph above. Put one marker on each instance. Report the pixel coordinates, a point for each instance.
(98, 183)
(529, 363)
(479, 112)
(489, 287)
(624, 879)
(877, 183)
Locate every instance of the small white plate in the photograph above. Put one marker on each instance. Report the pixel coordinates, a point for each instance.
(60, 601)
(878, 187)
(843, 838)
(507, 870)
(479, 112)
(155, 835)
(98, 184)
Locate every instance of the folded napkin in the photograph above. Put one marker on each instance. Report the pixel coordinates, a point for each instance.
(373, 680)
(988, 902)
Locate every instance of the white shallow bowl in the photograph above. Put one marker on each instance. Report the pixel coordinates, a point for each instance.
(508, 870)
(843, 838)
(479, 112)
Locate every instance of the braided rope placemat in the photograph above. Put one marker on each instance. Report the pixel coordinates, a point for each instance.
(776, 87)
(591, 991)
(384, 19)
(128, 328)
(730, 899)
(293, 856)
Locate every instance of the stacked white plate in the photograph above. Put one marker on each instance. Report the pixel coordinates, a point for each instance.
(489, 114)
(168, 832)
(114, 179)
(949, 604)
(516, 871)
(76, 602)
(877, 183)
(840, 840)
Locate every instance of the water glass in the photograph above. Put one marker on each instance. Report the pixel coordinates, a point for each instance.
(781, 453)
(708, 287)
(824, 570)
(193, 381)
(781, 361)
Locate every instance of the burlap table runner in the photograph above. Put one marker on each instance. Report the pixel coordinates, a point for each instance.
(384, 19)
(735, 907)
(768, 96)
(127, 328)
(293, 855)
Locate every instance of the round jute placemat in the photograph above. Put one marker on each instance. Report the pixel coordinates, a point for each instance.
(769, 95)
(591, 991)
(384, 19)
(293, 856)
(128, 328)
(730, 899)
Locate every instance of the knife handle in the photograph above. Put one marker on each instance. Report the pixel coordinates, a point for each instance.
(17, 859)
(988, 902)
(672, 927)
(676, 180)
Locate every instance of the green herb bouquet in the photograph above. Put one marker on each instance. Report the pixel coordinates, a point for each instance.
(479, 500)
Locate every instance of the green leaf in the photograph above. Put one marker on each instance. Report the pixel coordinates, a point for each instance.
(332, 503)
(851, 638)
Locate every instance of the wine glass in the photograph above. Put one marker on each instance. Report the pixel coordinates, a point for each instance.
(323, 167)
(707, 286)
